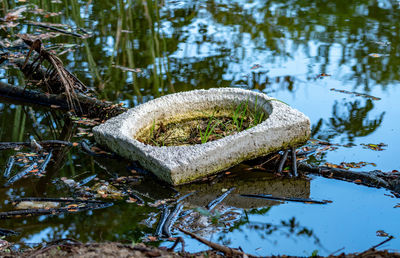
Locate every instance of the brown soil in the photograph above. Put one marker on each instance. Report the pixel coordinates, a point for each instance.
(140, 250)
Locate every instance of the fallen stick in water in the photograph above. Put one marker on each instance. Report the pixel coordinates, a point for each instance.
(46, 161)
(163, 218)
(55, 29)
(46, 199)
(7, 232)
(229, 252)
(12, 145)
(9, 166)
(185, 196)
(86, 180)
(278, 198)
(375, 178)
(294, 162)
(215, 202)
(171, 219)
(32, 212)
(283, 160)
(20, 175)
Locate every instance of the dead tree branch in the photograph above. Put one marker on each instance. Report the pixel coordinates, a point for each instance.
(90, 107)
(226, 250)
(390, 181)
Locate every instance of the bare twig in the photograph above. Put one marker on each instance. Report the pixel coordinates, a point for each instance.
(283, 160)
(9, 166)
(63, 200)
(55, 29)
(185, 196)
(7, 232)
(163, 218)
(43, 166)
(278, 198)
(294, 162)
(373, 178)
(31, 212)
(215, 202)
(381, 243)
(178, 239)
(171, 219)
(20, 175)
(226, 250)
(11, 145)
(87, 180)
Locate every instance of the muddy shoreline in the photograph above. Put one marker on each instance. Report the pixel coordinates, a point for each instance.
(114, 249)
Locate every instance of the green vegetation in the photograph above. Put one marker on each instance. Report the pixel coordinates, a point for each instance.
(205, 128)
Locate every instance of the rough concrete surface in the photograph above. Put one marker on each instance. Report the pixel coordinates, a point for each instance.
(284, 127)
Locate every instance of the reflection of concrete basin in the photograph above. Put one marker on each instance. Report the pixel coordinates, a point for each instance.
(246, 183)
(176, 165)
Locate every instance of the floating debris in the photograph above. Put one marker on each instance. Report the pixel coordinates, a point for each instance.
(7, 232)
(9, 166)
(70, 208)
(357, 94)
(164, 215)
(215, 202)
(107, 191)
(20, 174)
(62, 199)
(256, 66)
(282, 161)
(348, 165)
(87, 180)
(24, 205)
(185, 196)
(375, 147)
(278, 198)
(127, 69)
(46, 161)
(322, 75)
(171, 219)
(381, 233)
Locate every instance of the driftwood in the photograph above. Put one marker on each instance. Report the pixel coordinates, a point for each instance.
(376, 178)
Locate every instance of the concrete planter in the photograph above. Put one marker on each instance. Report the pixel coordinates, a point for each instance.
(176, 165)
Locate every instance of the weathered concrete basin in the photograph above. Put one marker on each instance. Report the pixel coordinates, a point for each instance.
(176, 165)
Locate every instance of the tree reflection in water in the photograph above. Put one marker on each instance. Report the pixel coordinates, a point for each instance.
(349, 120)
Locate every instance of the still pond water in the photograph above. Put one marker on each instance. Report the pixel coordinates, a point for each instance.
(305, 53)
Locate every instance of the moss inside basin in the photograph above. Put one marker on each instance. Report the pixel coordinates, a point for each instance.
(201, 126)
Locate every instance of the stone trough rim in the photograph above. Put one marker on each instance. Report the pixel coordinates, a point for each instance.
(171, 155)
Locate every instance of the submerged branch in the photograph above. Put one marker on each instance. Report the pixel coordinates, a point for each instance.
(374, 178)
